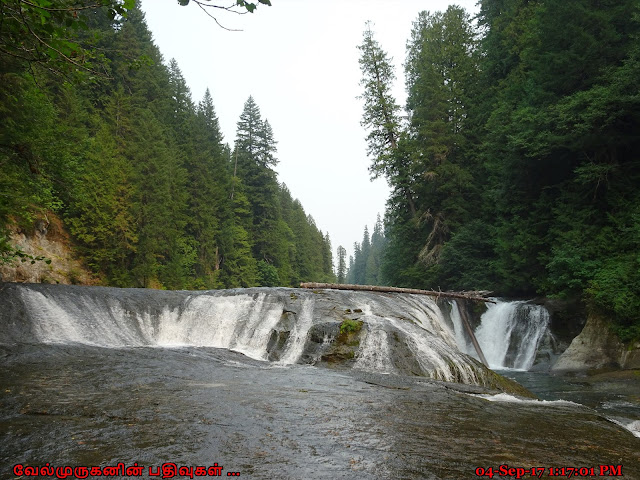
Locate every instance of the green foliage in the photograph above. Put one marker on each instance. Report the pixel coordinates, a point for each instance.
(267, 275)
(252, 6)
(249, 6)
(10, 254)
(350, 326)
(139, 172)
(468, 259)
(381, 113)
(342, 264)
(614, 289)
(30, 150)
(366, 268)
(54, 35)
(100, 216)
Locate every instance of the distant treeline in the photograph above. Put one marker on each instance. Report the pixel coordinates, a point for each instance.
(515, 166)
(149, 191)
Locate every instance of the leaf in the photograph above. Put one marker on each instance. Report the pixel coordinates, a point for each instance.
(183, 3)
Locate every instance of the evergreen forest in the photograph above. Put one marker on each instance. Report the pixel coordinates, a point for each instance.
(100, 133)
(514, 165)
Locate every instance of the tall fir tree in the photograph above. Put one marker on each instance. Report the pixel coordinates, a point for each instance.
(341, 253)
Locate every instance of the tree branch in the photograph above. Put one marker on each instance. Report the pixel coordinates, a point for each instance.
(68, 59)
(228, 9)
(69, 9)
(214, 18)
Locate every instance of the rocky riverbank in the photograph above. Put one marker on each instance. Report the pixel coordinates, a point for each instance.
(598, 348)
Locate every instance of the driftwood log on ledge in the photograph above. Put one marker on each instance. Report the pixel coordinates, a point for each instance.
(474, 296)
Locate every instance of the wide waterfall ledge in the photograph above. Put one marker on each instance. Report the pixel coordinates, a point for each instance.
(395, 334)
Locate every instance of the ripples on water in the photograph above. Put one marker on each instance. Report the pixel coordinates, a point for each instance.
(82, 405)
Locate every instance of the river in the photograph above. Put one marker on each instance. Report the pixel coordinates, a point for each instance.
(74, 404)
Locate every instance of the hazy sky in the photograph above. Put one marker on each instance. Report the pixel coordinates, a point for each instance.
(299, 61)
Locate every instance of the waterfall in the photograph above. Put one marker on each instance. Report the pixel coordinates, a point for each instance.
(422, 331)
(375, 353)
(242, 323)
(510, 332)
(298, 337)
(401, 334)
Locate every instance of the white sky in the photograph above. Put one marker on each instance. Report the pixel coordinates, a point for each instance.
(298, 58)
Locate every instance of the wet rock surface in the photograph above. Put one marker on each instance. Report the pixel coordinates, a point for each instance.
(386, 333)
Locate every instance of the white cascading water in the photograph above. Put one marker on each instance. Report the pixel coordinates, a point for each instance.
(458, 328)
(510, 332)
(435, 351)
(241, 323)
(374, 354)
(298, 337)
(83, 322)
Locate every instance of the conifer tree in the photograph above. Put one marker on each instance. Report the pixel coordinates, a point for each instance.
(208, 187)
(441, 66)
(248, 129)
(255, 150)
(374, 261)
(328, 274)
(380, 115)
(100, 215)
(342, 264)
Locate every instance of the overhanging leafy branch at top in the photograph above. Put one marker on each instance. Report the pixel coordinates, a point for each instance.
(47, 33)
(248, 6)
(53, 34)
(245, 7)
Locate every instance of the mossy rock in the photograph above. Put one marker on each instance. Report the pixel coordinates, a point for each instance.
(339, 355)
(506, 385)
(349, 333)
(349, 326)
(344, 348)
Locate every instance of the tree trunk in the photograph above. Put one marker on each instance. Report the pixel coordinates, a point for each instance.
(477, 296)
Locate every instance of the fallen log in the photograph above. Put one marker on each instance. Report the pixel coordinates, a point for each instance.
(472, 336)
(476, 296)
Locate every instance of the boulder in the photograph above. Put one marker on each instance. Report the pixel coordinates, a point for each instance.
(597, 347)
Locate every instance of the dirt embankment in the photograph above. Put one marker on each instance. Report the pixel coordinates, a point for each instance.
(47, 239)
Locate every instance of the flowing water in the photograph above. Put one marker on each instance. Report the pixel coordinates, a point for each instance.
(156, 378)
(509, 333)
